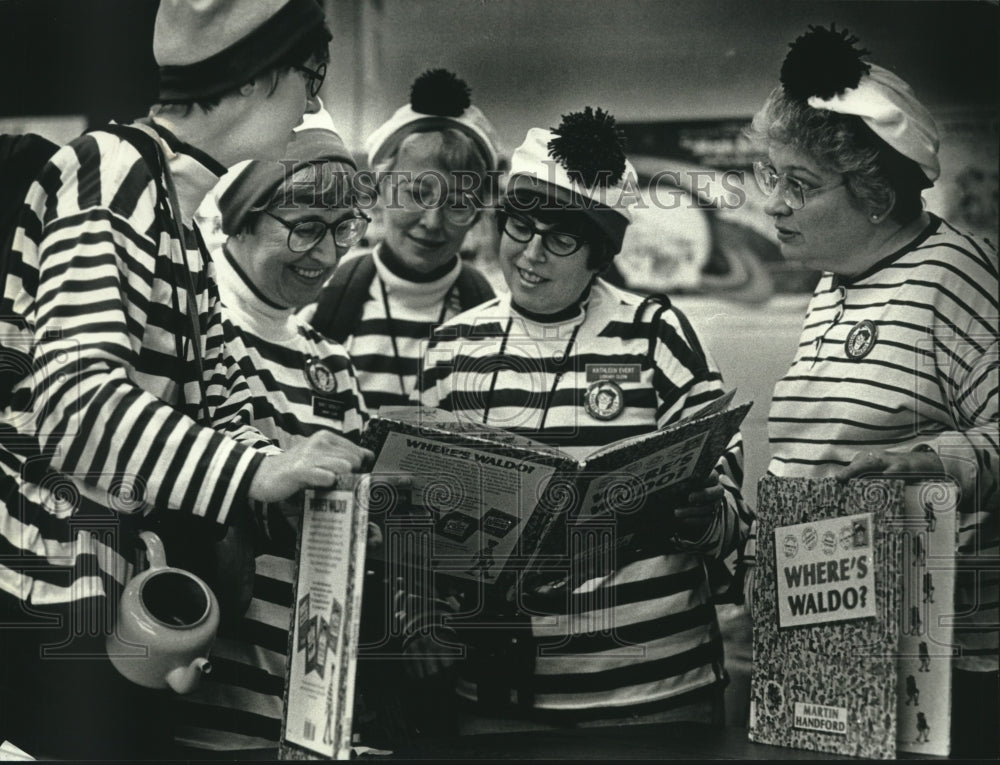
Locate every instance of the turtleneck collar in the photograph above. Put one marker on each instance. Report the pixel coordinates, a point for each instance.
(394, 263)
(247, 304)
(418, 294)
(571, 311)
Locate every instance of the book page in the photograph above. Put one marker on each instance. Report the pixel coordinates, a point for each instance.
(612, 491)
(478, 502)
(664, 460)
(927, 641)
(715, 407)
(438, 420)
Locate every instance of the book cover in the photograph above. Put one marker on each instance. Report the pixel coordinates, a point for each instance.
(323, 634)
(489, 507)
(926, 641)
(826, 615)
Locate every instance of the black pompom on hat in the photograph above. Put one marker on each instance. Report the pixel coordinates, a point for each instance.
(824, 70)
(590, 147)
(441, 93)
(822, 62)
(579, 165)
(439, 99)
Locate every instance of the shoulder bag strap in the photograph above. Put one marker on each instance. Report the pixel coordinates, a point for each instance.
(149, 148)
(339, 307)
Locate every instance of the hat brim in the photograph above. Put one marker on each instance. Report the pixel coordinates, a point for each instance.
(430, 124)
(539, 195)
(246, 58)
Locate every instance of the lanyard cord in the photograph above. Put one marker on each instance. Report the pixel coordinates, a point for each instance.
(561, 370)
(841, 305)
(392, 328)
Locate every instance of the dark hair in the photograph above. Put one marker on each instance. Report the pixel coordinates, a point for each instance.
(313, 46)
(873, 171)
(568, 220)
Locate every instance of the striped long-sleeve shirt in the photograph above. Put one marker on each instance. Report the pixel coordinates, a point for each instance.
(901, 355)
(239, 705)
(396, 321)
(645, 635)
(96, 432)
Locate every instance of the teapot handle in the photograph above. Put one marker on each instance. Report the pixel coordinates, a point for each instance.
(155, 552)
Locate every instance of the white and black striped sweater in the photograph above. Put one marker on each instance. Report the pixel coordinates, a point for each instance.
(930, 377)
(396, 321)
(97, 432)
(239, 705)
(646, 635)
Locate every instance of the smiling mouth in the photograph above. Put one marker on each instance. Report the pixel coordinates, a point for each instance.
(530, 277)
(309, 274)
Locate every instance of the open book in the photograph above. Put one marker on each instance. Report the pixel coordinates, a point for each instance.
(491, 508)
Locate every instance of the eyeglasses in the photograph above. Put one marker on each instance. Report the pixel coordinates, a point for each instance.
(457, 211)
(305, 234)
(521, 229)
(314, 77)
(793, 191)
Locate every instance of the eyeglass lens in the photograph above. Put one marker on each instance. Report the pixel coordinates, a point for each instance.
(769, 181)
(306, 234)
(558, 243)
(314, 78)
(458, 210)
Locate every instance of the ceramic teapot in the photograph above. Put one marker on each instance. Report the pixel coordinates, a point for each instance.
(167, 622)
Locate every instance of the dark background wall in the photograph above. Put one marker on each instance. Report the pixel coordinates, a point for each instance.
(530, 60)
(87, 57)
(527, 60)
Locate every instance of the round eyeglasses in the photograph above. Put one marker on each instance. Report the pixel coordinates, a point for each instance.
(305, 234)
(793, 191)
(314, 77)
(521, 229)
(457, 210)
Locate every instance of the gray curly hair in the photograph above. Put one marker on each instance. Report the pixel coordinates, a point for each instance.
(874, 173)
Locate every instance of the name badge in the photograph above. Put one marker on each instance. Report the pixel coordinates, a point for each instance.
(613, 372)
(330, 408)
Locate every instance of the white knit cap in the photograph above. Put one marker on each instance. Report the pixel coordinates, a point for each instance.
(206, 47)
(604, 193)
(889, 107)
(532, 160)
(438, 101)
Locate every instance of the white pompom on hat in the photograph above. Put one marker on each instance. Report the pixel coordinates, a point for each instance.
(207, 47)
(889, 107)
(438, 100)
(604, 194)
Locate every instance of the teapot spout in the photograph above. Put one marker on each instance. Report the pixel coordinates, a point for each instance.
(185, 679)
